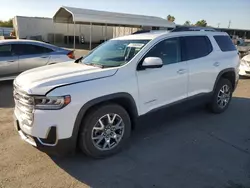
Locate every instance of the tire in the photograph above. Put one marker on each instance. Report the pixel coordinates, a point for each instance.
(91, 122)
(214, 106)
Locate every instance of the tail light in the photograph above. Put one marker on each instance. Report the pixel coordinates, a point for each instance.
(71, 55)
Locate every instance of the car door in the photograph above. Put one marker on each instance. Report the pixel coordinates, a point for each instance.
(31, 56)
(165, 85)
(8, 61)
(202, 64)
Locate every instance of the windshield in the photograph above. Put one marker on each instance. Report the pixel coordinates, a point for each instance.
(114, 53)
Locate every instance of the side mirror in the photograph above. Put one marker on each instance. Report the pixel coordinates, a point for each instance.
(152, 62)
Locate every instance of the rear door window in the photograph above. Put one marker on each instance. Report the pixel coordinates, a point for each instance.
(225, 43)
(194, 47)
(30, 49)
(5, 50)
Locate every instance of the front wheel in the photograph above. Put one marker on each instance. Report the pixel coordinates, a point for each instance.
(222, 96)
(104, 130)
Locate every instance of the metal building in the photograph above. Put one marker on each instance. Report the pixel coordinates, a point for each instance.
(105, 19)
(57, 33)
(72, 26)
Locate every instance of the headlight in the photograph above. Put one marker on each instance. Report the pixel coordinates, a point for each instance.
(244, 63)
(51, 103)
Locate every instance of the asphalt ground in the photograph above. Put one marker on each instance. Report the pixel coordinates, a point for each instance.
(185, 148)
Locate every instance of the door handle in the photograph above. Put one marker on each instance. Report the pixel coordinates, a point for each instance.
(44, 57)
(181, 71)
(216, 64)
(11, 61)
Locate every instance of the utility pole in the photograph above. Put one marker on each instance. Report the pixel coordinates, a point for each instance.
(229, 24)
(218, 25)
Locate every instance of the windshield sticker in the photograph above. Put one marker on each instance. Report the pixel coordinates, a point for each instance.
(136, 45)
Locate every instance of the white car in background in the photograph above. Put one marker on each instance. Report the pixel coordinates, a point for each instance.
(245, 66)
(244, 48)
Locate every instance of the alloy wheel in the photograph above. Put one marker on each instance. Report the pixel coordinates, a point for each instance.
(224, 96)
(107, 132)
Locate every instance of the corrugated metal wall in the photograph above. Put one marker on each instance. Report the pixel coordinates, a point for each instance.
(26, 27)
(121, 31)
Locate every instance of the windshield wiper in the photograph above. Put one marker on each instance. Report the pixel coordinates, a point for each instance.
(79, 60)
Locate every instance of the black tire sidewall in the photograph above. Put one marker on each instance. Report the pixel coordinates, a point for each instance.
(85, 140)
(214, 105)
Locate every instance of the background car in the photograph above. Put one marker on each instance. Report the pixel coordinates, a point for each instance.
(245, 66)
(17, 56)
(244, 48)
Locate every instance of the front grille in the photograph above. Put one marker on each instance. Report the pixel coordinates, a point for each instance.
(24, 106)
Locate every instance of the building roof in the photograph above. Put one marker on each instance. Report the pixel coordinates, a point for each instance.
(232, 29)
(221, 28)
(86, 16)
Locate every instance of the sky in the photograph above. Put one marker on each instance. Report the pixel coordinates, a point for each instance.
(213, 11)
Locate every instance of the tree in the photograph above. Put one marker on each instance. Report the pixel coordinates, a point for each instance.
(201, 23)
(187, 23)
(8, 23)
(170, 18)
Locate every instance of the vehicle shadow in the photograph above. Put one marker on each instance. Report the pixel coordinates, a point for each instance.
(6, 94)
(163, 151)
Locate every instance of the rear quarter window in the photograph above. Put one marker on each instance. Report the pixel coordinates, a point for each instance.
(225, 43)
(194, 47)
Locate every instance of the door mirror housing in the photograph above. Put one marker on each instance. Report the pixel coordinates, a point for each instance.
(152, 62)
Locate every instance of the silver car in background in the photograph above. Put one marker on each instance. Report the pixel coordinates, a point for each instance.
(17, 56)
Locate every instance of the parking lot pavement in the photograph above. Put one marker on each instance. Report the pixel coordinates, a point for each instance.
(189, 148)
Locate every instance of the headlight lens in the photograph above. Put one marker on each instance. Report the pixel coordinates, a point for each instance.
(244, 62)
(51, 103)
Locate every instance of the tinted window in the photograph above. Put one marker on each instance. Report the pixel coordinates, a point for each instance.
(5, 50)
(29, 49)
(168, 50)
(225, 43)
(196, 47)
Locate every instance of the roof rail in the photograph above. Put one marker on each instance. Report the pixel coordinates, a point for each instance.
(178, 29)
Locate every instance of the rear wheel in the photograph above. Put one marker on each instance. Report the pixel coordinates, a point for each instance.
(104, 130)
(222, 96)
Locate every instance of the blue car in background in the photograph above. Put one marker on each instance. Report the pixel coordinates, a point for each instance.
(17, 56)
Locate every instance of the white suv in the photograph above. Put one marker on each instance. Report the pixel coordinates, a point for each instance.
(94, 102)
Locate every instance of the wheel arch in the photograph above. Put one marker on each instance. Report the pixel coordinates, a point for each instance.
(123, 99)
(229, 74)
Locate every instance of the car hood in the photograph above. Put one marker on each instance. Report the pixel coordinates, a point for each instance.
(246, 58)
(40, 80)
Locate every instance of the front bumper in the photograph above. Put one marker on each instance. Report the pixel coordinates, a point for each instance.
(49, 145)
